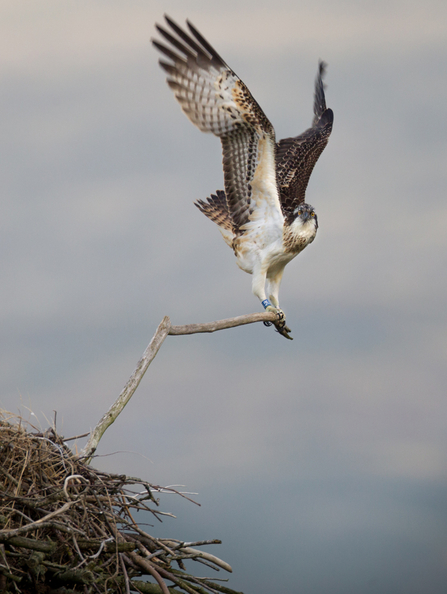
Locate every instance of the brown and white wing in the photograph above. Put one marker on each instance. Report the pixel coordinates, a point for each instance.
(216, 100)
(296, 157)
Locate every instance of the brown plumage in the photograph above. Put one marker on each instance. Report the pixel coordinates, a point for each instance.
(216, 209)
(216, 100)
(296, 157)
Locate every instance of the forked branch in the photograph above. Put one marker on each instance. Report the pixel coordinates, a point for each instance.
(149, 354)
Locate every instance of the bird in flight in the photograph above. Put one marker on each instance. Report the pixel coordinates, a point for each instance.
(262, 214)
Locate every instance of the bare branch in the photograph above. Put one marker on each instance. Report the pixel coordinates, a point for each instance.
(149, 354)
(128, 390)
(223, 324)
(147, 566)
(204, 555)
(7, 534)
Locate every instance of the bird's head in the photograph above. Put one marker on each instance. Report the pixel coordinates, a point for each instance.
(305, 214)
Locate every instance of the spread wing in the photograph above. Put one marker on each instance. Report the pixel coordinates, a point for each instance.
(296, 157)
(216, 100)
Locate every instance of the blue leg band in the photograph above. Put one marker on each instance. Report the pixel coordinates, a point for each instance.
(265, 303)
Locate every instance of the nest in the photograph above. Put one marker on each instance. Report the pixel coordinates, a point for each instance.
(67, 527)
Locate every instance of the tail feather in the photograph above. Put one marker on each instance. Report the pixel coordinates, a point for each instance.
(216, 209)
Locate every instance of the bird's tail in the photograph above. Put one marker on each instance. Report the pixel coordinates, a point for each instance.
(216, 209)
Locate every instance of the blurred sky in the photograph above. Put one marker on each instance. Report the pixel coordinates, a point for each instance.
(322, 462)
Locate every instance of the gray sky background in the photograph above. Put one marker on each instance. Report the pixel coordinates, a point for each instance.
(322, 462)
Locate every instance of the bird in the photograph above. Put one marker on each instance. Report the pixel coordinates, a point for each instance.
(261, 213)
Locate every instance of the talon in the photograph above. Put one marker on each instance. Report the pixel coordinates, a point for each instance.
(281, 319)
(280, 323)
(281, 326)
(285, 332)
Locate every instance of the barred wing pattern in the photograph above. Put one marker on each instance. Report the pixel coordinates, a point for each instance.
(296, 157)
(216, 100)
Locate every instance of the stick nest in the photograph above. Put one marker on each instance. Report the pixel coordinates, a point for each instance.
(67, 527)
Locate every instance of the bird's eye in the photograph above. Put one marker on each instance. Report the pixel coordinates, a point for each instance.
(300, 212)
(312, 214)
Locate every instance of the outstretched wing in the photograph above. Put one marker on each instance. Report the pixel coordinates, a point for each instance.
(296, 157)
(216, 100)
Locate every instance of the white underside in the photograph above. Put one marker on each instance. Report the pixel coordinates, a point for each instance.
(260, 251)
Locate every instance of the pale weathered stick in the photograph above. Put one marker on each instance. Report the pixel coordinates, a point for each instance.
(128, 390)
(149, 354)
(6, 534)
(197, 553)
(222, 324)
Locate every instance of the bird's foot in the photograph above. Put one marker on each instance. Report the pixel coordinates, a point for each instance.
(284, 331)
(280, 323)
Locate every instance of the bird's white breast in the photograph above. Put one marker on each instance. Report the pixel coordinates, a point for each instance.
(299, 234)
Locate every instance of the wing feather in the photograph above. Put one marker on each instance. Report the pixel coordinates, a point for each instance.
(216, 100)
(296, 157)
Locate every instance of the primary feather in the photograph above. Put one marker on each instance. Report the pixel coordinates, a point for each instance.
(216, 100)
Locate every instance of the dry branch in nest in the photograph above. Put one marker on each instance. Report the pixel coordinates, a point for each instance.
(66, 527)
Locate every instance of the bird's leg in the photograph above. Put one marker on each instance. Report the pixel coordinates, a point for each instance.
(258, 288)
(274, 282)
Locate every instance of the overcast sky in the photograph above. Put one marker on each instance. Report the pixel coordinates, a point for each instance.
(322, 462)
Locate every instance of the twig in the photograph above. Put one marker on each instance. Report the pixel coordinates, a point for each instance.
(150, 588)
(197, 543)
(200, 583)
(178, 581)
(170, 489)
(76, 437)
(77, 477)
(9, 476)
(21, 474)
(195, 553)
(32, 543)
(211, 558)
(126, 577)
(147, 566)
(6, 534)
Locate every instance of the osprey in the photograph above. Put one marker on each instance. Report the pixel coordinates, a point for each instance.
(261, 214)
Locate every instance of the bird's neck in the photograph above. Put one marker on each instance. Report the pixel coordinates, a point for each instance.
(297, 235)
